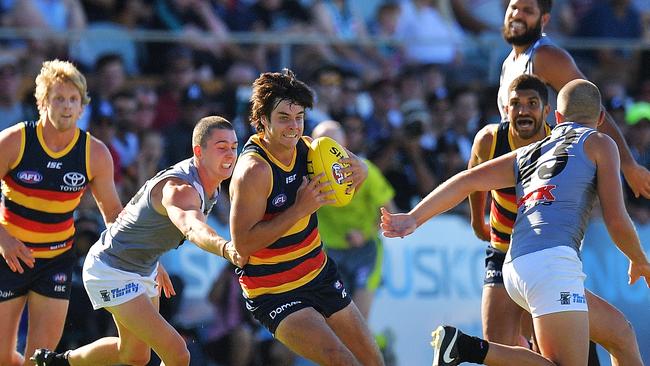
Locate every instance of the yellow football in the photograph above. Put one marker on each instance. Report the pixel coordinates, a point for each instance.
(323, 157)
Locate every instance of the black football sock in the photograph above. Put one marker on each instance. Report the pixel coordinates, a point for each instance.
(472, 349)
(61, 359)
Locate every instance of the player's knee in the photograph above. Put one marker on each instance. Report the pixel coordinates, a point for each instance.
(622, 336)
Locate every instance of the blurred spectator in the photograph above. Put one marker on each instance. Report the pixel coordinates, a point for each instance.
(455, 142)
(125, 141)
(110, 34)
(280, 17)
(178, 135)
(12, 107)
(385, 114)
(233, 101)
(384, 25)
(109, 78)
(328, 87)
(180, 72)
(147, 98)
(337, 18)
(355, 134)
(611, 19)
(427, 36)
(481, 22)
(193, 19)
(104, 129)
(54, 16)
(480, 16)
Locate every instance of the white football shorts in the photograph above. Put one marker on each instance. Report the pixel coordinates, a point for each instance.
(545, 282)
(107, 286)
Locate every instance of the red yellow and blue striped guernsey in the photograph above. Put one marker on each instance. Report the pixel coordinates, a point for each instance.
(297, 257)
(42, 190)
(503, 210)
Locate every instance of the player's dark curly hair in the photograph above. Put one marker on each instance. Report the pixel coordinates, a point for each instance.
(271, 88)
(527, 81)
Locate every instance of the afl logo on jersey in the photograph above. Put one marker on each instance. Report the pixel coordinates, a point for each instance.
(279, 200)
(74, 179)
(30, 177)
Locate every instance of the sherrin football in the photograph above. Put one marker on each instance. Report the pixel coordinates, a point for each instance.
(323, 157)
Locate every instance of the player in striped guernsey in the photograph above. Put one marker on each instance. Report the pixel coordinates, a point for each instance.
(289, 284)
(45, 168)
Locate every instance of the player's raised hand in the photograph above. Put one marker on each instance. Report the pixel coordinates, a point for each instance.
(636, 270)
(397, 225)
(14, 251)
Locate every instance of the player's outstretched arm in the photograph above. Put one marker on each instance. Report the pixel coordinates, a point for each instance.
(602, 150)
(183, 206)
(494, 174)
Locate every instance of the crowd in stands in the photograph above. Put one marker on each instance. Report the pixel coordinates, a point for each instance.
(411, 101)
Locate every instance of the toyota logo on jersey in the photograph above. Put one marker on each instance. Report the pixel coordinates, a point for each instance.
(74, 179)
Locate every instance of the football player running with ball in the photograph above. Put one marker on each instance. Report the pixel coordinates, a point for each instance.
(289, 284)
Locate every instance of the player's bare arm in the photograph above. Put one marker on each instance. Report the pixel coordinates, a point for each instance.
(101, 183)
(182, 204)
(556, 67)
(493, 174)
(602, 150)
(249, 188)
(12, 250)
(477, 200)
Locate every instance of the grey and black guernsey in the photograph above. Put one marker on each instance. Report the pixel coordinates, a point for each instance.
(42, 189)
(297, 257)
(523, 64)
(556, 189)
(140, 235)
(503, 206)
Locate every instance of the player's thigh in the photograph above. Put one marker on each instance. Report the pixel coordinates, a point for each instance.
(140, 320)
(350, 326)
(500, 315)
(10, 313)
(306, 333)
(46, 321)
(563, 337)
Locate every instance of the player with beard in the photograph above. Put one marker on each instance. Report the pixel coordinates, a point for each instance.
(534, 53)
(524, 124)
